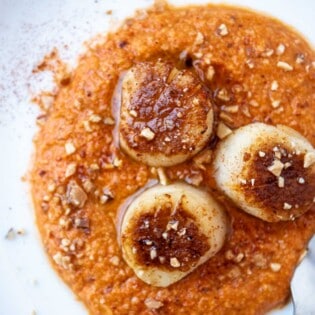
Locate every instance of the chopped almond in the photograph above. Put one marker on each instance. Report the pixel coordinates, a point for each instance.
(222, 30)
(223, 130)
(284, 65)
(147, 133)
(276, 168)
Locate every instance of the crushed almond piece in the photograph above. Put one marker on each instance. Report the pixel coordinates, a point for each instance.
(133, 113)
(198, 55)
(182, 232)
(300, 58)
(204, 157)
(94, 167)
(51, 187)
(231, 109)
(259, 260)
(246, 111)
(46, 198)
(153, 253)
(239, 257)
(75, 194)
(225, 117)
(147, 133)
(309, 159)
(276, 168)
(287, 206)
(70, 170)
(261, 154)
(194, 179)
(87, 126)
(174, 262)
(77, 104)
(222, 30)
(199, 39)
(280, 49)
(274, 85)
(153, 304)
(114, 260)
(61, 260)
(117, 162)
(280, 182)
(275, 103)
(69, 148)
(250, 64)
(229, 255)
(223, 130)
(109, 121)
(82, 223)
(106, 196)
(162, 176)
(275, 267)
(301, 180)
(287, 165)
(223, 95)
(243, 181)
(268, 52)
(65, 242)
(210, 73)
(284, 65)
(253, 103)
(252, 181)
(104, 199)
(88, 185)
(172, 74)
(164, 235)
(10, 234)
(95, 118)
(172, 225)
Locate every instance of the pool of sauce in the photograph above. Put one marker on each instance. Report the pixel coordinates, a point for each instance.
(80, 177)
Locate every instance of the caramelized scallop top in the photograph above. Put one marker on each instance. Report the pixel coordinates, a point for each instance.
(168, 231)
(268, 171)
(166, 114)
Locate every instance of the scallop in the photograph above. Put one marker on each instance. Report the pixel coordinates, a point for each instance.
(168, 231)
(166, 114)
(268, 171)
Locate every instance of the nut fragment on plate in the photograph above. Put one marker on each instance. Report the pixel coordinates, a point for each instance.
(276, 168)
(166, 114)
(168, 231)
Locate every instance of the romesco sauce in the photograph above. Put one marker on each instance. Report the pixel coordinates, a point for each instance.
(258, 69)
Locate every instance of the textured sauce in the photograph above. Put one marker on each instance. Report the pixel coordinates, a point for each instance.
(257, 69)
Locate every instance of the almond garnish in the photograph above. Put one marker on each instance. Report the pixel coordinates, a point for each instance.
(276, 168)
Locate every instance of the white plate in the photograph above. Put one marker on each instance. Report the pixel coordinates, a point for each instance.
(28, 30)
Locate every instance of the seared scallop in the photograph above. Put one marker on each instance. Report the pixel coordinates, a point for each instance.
(168, 231)
(268, 171)
(166, 114)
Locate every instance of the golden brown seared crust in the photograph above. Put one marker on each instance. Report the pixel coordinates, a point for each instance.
(165, 234)
(281, 184)
(166, 113)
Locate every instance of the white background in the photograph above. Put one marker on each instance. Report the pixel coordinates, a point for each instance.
(28, 30)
